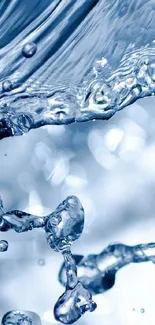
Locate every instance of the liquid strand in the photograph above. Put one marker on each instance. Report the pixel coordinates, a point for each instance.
(62, 228)
(81, 276)
(98, 272)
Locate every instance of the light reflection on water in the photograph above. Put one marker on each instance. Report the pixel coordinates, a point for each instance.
(110, 167)
(73, 61)
(79, 71)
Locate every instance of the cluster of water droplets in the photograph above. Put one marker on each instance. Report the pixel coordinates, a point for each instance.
(62, 228)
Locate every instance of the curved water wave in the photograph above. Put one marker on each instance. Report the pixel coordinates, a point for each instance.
(91, 59)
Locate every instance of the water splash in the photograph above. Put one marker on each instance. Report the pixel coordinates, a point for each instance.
(89, 275)
(61, 64)
(98, 272)
(65, 224)
(93, 274)
(16, 317)
(62, 228)
(76, 299)
(21, 221)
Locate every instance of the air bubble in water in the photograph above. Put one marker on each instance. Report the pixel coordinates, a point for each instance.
(41, 262)
(6, 86)
(3, 245)
(142, 310)
(29, 49)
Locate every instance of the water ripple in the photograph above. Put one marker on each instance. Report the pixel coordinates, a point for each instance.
(89, 59)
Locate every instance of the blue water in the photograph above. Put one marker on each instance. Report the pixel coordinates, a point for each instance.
(64, 62)
(98, 272)
(91, 59)
(62, 228)
(21, 318)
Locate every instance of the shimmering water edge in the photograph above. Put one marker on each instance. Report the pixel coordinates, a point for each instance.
(95, 98)
(89, 60)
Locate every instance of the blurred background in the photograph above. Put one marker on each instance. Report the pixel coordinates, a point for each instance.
(110, 166)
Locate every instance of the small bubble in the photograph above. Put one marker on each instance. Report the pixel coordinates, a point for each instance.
(133, 309)
(5, 154)
(142, 310)
(24, 121)
(41, 262)
(3, 245)
(29, 49)
(6, 85)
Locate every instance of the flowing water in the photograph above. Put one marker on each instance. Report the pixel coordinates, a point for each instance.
(73, 61)
(66, 61)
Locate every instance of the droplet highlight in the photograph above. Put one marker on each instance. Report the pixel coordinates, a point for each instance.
(29, 49)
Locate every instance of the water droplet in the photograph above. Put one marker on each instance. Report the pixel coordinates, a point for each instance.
(29, 49)
(6, 85)
(71, 214)
(3, 245)
(41, 262)
(142, 310)
(73, 304)
(5, 154)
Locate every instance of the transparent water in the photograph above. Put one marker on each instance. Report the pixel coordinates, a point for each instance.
(65, 62)
(73, 61)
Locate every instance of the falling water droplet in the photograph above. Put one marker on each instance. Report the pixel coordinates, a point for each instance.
(29, 49)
